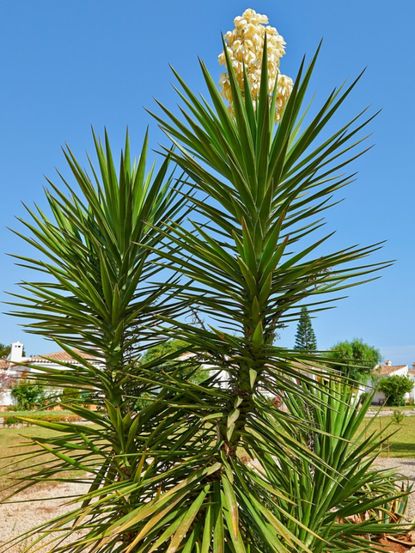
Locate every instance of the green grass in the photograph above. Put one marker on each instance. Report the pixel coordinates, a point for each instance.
(12, 445)
(402, 442)
(392, 408)
(10, 418)
(12, 437)
(34, 413)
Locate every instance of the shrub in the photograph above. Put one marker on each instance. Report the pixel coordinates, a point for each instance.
(395, 387)
(10, 420)
(70, 396)
(28, 395)
(363, 397)
(76, 396)
(397, 416)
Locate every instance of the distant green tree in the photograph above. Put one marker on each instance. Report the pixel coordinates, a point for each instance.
(355, 359)
(166, 354)
(28, 395)
(305, 339)
(4, 350)
(75, 396)
(163, 349)
(395, 387)
(170, 348)
(70, 396)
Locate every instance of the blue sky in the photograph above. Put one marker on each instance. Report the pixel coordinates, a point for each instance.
(69, 65)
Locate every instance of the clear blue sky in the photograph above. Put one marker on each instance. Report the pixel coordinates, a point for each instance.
(68, 65)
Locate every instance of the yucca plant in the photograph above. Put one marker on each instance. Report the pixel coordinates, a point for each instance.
(343, 498)
(253, 254)
(197, 466)
(96, 301)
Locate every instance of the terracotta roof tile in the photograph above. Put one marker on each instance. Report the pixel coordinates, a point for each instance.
(385, 370)
(62, 356)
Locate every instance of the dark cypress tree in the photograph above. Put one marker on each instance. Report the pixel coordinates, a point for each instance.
(305, 339)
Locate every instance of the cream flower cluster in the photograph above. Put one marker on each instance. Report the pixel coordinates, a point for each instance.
(245, 45)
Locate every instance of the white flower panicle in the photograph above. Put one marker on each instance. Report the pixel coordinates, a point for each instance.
(245, 46)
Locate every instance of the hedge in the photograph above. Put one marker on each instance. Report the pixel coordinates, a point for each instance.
(10, 419)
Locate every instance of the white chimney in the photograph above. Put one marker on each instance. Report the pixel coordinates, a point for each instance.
(16, 352)
(388, 363)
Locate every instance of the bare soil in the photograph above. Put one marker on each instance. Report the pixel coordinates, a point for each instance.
(31, 508)
(406, 467)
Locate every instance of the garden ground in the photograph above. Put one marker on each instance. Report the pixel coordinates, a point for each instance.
(31, 507)
(402, 442)
(45, 500)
